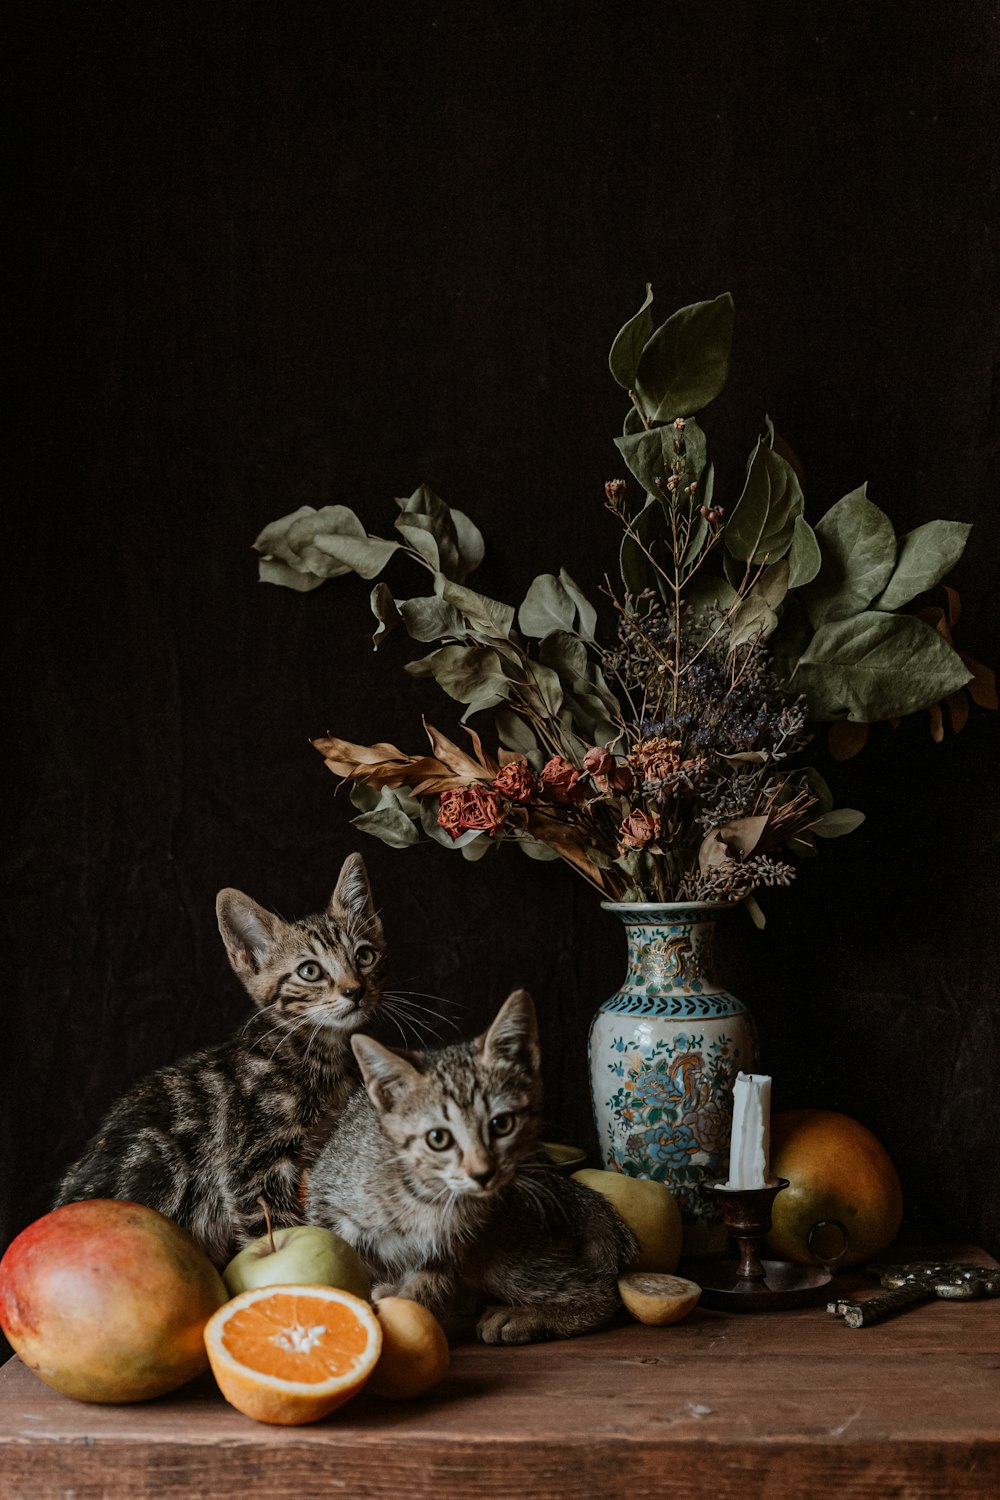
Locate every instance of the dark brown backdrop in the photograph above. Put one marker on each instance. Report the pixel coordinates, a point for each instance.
(300, 254)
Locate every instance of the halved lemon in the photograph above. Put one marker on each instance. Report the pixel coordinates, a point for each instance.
(659, 1300)
(292, 1354)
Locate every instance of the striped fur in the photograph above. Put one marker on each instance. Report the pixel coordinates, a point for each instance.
(203, 1139)
(434, 1177)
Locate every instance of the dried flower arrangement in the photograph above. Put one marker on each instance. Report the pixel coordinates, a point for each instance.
(666, 764)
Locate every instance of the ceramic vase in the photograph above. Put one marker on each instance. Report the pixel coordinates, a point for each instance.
(664, 1053)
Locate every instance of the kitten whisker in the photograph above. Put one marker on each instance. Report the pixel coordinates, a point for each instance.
(394, 1008)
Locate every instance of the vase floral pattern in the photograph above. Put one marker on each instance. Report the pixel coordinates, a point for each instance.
(664, 1053)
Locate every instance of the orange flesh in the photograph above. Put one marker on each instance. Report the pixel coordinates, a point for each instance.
(296, 1337)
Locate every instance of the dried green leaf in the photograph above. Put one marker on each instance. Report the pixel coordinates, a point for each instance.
(924, 557)
(586, 614)
(629, 343)
(547, 606)
(684, 364)
(385, 611)
(468, 674)
(876, 666)
(834, 824)
(762, 526)
(483, 614)
(859, 554)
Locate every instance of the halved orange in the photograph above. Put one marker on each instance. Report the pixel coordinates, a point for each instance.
(292, 1354)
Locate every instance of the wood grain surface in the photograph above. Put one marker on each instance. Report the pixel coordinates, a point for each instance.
(722, 1405)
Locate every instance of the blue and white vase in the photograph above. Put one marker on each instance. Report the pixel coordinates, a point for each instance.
(664, 1054)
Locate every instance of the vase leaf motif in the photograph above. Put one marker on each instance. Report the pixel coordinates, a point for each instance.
(665, 1051)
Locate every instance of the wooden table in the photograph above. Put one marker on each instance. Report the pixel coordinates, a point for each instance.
(790, 1404)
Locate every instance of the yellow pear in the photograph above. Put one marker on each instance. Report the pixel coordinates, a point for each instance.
(649, 1210)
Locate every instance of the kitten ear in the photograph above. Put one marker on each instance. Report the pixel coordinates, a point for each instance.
(385, 1073)
(248, 930)
(352, 897)
(513, 1036)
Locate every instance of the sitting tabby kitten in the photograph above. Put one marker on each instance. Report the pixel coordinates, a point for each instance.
(426, 1176)
(201, 1140)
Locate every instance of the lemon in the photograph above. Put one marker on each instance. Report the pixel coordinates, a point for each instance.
(657, 1299)
(649, 1210)
(415, 1352)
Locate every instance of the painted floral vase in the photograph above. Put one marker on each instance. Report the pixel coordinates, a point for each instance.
(664, 1053)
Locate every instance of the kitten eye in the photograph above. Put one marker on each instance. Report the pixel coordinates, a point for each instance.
(309, 971)
(502, 1124)
(366, 956)
(439, 1139)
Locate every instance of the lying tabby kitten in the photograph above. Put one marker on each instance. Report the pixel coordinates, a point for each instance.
(200, 1141)
(426, 1176)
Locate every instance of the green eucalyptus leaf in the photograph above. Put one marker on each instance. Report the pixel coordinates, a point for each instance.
(477, 847)
(633, 423)
(650, 455)
(684, 364)
(363, 796)
(543, 687)
(270, 570)
(923, 558)
(708, 592)
(586, 614)
(876, 666)
(590, 721)
(488, 698)
(565, 654)
(834, 824)
(638, 573)
(804, 555)
(390, 824)
(629, 343)
(366, 555)
(427, 512)
(762, 525)
(547, 606)
(273, 540)
(535, 849)
(466, 673)
(697, 537)
(752, 619)
(429, 618)
(515, 732)
(470, 544)
(385, 611)
(418, 533)
(859, 555)
(483, 614)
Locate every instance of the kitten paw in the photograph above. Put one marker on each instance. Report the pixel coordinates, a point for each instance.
(512, 1325)
(385, 1289)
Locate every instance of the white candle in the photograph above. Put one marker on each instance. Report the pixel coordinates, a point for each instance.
(750, 1146)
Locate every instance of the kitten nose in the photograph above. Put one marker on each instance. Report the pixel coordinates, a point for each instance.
(482, 1177)
(352, 991)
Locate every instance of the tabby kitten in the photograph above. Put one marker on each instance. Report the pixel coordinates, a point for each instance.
(203, 1139)
(432, 1174)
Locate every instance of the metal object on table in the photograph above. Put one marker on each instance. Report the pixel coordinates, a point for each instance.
(752, 1284)
(922, 1281)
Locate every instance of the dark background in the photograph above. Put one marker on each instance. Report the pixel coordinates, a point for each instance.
(312, 254)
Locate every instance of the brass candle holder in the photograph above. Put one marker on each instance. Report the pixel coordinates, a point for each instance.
(752, 1284)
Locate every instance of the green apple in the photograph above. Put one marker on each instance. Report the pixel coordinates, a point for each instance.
(302, 1254)
(648, 1209)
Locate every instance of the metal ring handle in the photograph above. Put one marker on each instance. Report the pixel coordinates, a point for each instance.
(829, 1262)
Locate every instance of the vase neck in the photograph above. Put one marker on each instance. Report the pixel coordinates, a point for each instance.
(669, 949)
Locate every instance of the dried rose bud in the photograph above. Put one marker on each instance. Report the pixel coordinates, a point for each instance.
(598, 761)
(615, 490)
(559, 780)
(637, 830)
(470, 807)
(516, 781)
